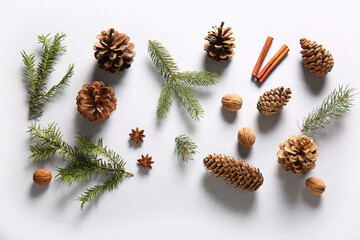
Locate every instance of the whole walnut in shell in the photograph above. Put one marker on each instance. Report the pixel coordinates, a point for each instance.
(232, 102)
(42, 177)
(246, 137)
(315, 185)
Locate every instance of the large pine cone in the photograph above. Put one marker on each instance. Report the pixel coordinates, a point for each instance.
(298, 154)
(235, 172)
(273, 101)
(96, 101)
(114, 51)
(220, 45)
(317, 59)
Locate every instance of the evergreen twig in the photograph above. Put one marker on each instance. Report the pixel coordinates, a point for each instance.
(37, 77)
(339, 101)
(84, 162)
(176, 82)
(185, 148)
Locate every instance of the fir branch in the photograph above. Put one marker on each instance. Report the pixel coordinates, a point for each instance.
(30, 72)
(187, 97)
(84, 162)
(163, 60)
(37, 77)
(196, 78)
(176, 82)
(338, 102)
(97, 191)
(64, 81)
(99, 149)
(165, 100)
(185, 148)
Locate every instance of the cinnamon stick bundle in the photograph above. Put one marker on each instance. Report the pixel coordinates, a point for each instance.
(274, 61)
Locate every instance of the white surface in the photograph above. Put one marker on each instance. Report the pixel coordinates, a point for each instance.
(176, 200)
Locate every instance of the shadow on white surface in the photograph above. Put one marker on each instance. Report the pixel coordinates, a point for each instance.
(110, 79)
(87, 128)
(212, 66)
(36, 190)
(143, 172)
(267, 123)
(135, 145)
(292, 184)
(228, 116)
(254, 80)
(228, 196)
(314, 83)
(243, 151)
(311, 199)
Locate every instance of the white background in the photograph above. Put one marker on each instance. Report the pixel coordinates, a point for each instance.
(175, 200)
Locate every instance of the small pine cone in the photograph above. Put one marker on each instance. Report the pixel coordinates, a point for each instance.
(114, 51)
(317, 59)
(298, 154)
(96, 101)
(220, 45)
(273, 101)
(235, 172)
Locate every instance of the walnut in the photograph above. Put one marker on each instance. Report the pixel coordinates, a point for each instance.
(315, 185)
(246, 137)
(232, 102)
(42, 177)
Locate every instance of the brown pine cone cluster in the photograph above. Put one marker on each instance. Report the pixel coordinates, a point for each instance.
(298, 154)
(220, 45)
(317, 59)
(114, 51)
(273, 101)
(96, 101)
(235, 172)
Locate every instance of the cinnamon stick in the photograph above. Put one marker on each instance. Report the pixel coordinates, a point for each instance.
(262, 56)
(272, 60)
(275, 63)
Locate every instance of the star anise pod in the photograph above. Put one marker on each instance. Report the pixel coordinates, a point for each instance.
(145, 161)
(136, 135)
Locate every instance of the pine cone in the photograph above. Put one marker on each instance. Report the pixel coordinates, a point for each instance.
(234, 172)
(273, 101)
(317, 59)
(298, 154)
(114, 51)
(220, 45)
(96, 101)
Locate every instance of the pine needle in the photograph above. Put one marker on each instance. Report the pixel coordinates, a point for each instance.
(185, 148)
(176, 82)
(338, 102)
(37, 77)
(84, 162)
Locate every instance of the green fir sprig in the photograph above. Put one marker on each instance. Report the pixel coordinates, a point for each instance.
(37, 77)
(177, 83)
(339, 101)
(89, 159)
(185, 148)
